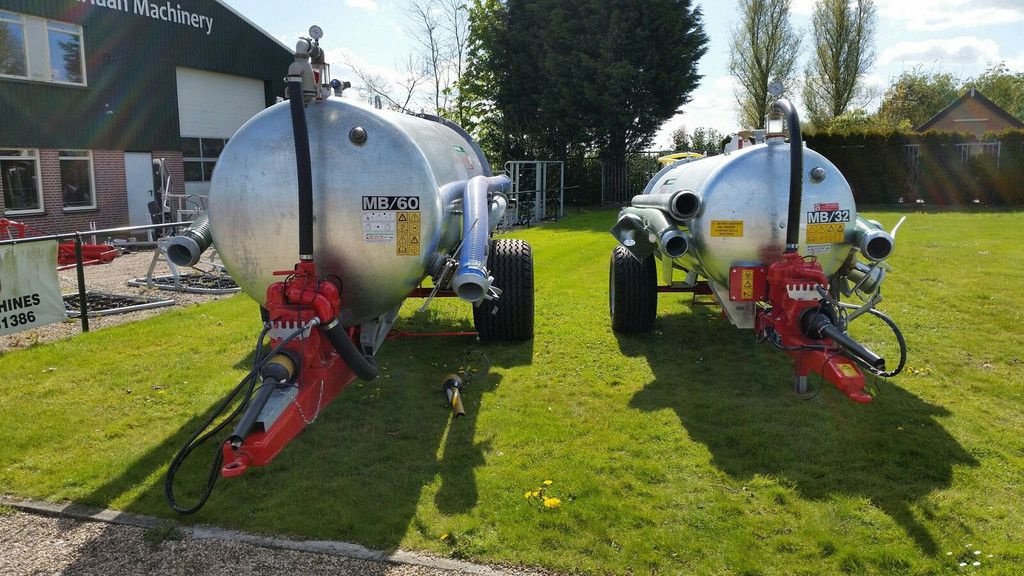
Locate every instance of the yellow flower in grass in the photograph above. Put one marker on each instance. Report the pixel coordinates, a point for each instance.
(552, 502)
(548, 482)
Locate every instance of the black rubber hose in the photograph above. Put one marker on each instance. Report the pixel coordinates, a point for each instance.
(817, 325)
(245, 425)
(365, 367)
(303, 165)
(796, 172)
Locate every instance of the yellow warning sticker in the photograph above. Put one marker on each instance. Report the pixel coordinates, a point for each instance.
(727, 228)
(408, 238)
(825, 233)
(747, 285)
(849, 370)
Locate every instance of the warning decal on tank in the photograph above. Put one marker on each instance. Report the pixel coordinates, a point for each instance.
(408, 234)
(825, 233)
(378, 226)
(383, 218)
(727, 228)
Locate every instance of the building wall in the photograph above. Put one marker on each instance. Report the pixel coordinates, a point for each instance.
(111, 202)
(130, 99)
(971, 116)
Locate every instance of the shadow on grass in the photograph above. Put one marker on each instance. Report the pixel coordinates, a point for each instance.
(359, 471)
(734, 396)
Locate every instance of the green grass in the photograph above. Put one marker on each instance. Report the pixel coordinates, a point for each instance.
(682, 451)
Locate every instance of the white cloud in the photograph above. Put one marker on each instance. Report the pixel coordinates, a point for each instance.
(713, 105)
(1016, 64)
(935, 15)
(946, 51)
(368, 5)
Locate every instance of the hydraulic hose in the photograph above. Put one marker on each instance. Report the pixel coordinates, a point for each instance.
(363, 366)
(796, 172)
(304, 168)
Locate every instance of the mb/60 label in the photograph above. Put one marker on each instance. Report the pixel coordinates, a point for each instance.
(391, 202)
(393, 220)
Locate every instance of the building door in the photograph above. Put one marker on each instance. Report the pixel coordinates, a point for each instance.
(138, 175)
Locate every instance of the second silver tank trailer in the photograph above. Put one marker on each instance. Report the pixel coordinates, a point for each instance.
(770, 230)
(385, 200)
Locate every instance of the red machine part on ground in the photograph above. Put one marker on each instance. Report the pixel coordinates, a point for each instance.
(321, 373)
(91, 253)
(792, 294)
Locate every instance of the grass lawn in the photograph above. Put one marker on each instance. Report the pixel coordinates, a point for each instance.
(682, 451)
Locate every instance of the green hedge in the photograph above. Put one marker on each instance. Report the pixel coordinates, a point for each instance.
(887, 167)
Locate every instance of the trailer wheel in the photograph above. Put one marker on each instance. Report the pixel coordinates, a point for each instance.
(510, 317)
(632, 292)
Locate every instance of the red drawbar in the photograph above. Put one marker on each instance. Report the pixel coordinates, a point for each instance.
(792, 292)
(321, 372)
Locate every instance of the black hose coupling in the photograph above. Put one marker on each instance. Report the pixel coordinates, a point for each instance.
(819, 326)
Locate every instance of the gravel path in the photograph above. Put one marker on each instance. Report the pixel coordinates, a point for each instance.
(111, 278)
(32, 543)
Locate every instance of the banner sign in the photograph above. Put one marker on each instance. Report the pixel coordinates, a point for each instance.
(29, 291)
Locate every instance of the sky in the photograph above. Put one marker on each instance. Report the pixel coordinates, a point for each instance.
(961, 37)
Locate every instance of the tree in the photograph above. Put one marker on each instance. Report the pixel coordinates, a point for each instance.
(707, 141)
(1002, 87)
(680, 140)
(372, 84)
(589, 75)
(914, 97)
(843, 32)
(764, 48)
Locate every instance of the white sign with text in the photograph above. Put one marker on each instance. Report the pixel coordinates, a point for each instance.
(29, 291)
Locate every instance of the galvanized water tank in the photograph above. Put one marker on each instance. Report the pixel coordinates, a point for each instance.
(379, 216)
(744, 199)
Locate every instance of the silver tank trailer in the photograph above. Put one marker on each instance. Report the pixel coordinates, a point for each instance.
(382, 209)
(733, 209)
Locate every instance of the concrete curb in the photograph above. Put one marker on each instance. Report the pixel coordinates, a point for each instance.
(199, 532)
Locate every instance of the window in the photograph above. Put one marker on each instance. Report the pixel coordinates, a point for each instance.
(65, 41)
(200, 156)
(34, 48)
(76, 180)
(19, 177)
(12, 45)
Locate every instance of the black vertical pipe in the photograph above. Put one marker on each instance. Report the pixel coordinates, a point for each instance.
(304, 168)
(796, 172)
(83, 304)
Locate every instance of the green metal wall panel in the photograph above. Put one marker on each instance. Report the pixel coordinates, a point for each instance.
(130, 102)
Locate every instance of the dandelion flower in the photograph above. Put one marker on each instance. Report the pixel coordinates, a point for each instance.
(552, 502)
(528, 494)
(548, 482)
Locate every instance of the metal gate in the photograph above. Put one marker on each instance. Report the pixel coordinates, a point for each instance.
(538, 192)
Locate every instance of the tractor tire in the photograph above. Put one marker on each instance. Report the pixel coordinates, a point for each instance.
(510, 317)
(632, 292)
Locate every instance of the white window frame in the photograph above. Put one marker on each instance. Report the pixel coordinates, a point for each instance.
(58, 26)
(18, 19)
(34, 156)
(84, 156)
(37, 49)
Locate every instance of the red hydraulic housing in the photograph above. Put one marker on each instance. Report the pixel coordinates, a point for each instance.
(309, 371)
(798, 320)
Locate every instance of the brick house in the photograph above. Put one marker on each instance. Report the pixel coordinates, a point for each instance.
(971, 113)
(96, 95)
